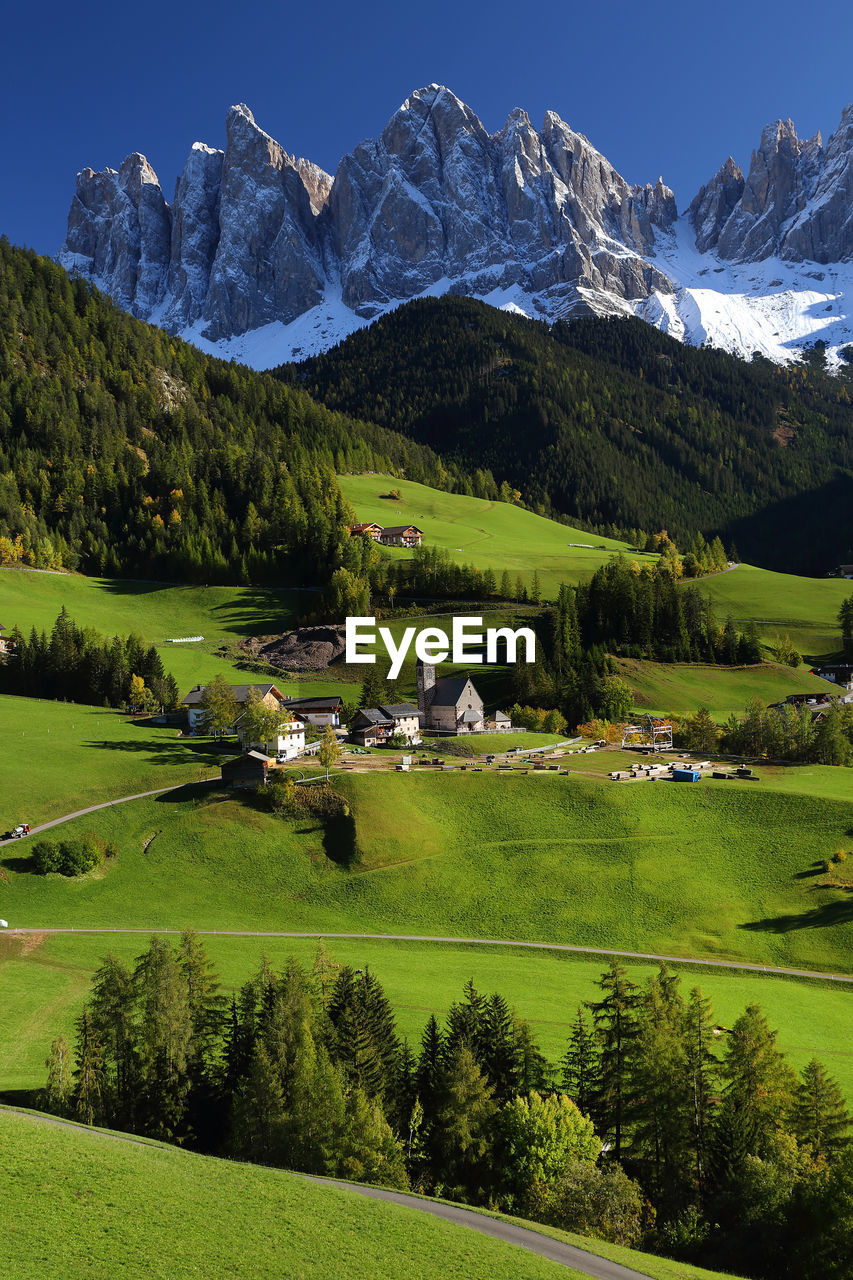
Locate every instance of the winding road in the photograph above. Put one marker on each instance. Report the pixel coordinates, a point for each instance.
(590, 1264)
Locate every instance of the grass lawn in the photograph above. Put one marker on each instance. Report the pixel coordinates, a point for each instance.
(60, 756)
(157, 612)
(44, 980)
(488, 535)
(675, 688)
(81, 1203)
(805, 608)
(728, 870)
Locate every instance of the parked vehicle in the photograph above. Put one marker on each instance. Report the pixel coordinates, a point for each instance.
(23, 829)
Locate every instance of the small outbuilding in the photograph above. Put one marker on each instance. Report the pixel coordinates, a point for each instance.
(248, 770)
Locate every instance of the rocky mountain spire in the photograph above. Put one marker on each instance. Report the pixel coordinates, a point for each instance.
(796, 201)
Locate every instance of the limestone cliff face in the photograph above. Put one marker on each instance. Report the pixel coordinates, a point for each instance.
(119, 233)
(796, 201)
(255, 234)
(436, 202)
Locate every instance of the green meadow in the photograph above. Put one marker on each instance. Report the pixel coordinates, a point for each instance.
(59, 757)
(717, 870)
(488, 535)
(67, 1192)
(805, 608)
(676, 688)
(160, 612)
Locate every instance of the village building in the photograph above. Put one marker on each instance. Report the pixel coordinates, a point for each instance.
(317, 711)
(375, 726)
(271, 696)
(373, 531)
(5, 642)
(839, 673)
(499, 723)
(251, 769)
(288, 743)
(449, 705)
(401, 535)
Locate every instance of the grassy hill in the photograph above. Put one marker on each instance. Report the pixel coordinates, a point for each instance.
(69, 1191)
(677, 689)
(805, 608)
(157, 611)
(488, 535)
(718, 870)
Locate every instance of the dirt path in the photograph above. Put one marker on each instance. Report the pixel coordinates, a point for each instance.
(772, 970)
(533, 1241)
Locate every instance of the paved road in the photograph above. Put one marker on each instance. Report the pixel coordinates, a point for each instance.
(81, 813)
(590, 1264)
(473, 942)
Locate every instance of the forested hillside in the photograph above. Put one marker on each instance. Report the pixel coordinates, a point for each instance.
(613, 423)
(126, 451)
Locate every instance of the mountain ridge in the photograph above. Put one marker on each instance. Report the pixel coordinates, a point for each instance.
(264, 257)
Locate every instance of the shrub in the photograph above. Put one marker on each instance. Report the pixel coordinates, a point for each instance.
(840, 855)
(607, 1204)
(454, 747)
(70, 857)
(45, 857)
(315, 801)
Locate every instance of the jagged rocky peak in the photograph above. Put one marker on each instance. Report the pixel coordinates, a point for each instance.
(714, 203)
(256, 235)
(268, 262)
(795, 201)
(119, 233)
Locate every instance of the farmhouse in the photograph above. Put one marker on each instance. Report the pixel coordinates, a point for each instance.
(375, 725)
(271, 696)
(318, 711)
(451, 704)
(392, 535)
(286, 744)
(839, 673)
(5, 642)
(401, 535)
(373, 531)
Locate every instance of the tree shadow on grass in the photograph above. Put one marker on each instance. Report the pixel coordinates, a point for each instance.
(190, 793)
(823, 917)
(18, 864)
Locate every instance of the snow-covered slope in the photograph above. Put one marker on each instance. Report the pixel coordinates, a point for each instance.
(264, 258)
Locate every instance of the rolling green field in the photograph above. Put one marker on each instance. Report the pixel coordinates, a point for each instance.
(676, 688)
(709, 870)
(489, 535)
(157, 612)
(67, 1190)
(805, 608)
(44, 980)
(59, 757)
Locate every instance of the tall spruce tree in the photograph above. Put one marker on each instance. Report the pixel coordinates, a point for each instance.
(820, 1116)
(615, 1017)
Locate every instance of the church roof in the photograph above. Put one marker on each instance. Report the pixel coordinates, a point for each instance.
(449, 690)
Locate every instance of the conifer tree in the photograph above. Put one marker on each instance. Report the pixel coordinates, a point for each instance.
(820, 1116)
(579, 1077)
(616, 1027)
(90, 1077)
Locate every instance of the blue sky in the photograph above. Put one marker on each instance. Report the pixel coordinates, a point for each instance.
(660, 87)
